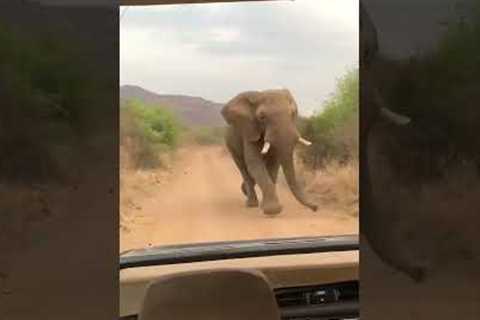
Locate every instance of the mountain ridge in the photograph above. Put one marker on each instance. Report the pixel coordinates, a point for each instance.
(193, 110)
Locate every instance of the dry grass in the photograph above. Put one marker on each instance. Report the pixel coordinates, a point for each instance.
(135, 185)
(337, 186)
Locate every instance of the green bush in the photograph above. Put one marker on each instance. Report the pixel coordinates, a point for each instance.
(333, 131)
(46, 99)
(147, 131)
(439, 90)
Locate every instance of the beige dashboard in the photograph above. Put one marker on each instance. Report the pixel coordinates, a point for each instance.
(280, 271)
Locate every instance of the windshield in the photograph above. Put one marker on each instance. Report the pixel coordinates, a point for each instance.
(238, 121)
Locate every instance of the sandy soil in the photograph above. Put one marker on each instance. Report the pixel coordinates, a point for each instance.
(201, 201)
(60, 250)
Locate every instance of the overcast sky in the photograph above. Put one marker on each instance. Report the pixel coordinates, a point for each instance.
(218, 50)
(409, 27)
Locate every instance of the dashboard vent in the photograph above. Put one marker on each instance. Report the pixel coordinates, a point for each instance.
(317, 295)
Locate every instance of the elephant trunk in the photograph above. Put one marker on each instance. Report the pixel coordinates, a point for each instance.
(289, 172)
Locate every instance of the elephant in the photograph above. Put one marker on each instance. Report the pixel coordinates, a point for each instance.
(261, 137)
(412, 170)
(376, 225)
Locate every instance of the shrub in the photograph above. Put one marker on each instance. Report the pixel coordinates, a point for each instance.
(334, 131)
(147, 131)
(439, 90)
(46, 97)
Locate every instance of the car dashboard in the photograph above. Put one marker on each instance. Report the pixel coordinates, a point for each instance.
(322, 284)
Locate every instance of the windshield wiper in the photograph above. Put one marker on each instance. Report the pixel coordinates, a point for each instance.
(174, 254)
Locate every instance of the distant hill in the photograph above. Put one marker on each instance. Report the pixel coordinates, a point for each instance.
(194, 111)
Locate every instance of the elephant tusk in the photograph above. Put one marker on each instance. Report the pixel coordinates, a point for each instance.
(304, 142)
(394, 117)
(266, 147)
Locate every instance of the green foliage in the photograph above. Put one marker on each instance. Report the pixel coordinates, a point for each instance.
(209, 135)
(341, 105)
(45, 103)
(333, 131)
(43, 71)
(441, 93)
(147, 131)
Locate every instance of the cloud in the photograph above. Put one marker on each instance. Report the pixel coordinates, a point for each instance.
(218, 50)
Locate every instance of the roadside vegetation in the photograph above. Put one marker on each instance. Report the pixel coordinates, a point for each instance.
(47, 102)
(332, 159)
(150, 136)
(334, 129)
(147, 132)
(56, 120)
(150, 133)
(440, 91)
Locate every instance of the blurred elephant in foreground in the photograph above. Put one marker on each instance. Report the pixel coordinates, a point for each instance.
(419, 177)
(377, 225)
(261, 138)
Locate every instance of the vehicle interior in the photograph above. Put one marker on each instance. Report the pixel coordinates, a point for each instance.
(291, 278)
(303, 278)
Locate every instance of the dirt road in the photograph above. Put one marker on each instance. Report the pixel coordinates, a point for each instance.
(202, 202)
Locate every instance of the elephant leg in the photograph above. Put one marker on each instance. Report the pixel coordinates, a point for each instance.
(248, 184)
(273, 166)
(258, 170)
(248, 188)
(244, 189)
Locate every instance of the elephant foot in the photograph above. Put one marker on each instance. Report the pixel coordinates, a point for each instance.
(252, 203)
(252, 200)
(272, 209)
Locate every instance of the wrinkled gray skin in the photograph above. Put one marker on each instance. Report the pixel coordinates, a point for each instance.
(256, 117)
(376, 226)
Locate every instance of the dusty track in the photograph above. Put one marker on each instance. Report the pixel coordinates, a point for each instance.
(202, 201)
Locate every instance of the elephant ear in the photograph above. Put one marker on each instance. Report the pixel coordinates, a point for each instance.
(289, 97)
(240, 113)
